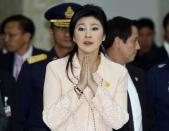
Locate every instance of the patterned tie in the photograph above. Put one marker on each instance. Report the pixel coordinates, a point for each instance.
(18, 67)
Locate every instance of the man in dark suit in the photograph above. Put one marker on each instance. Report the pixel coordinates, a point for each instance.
(158, 80)
(31, 79)
(121, 46)
(7, 87)
(149, 54)
(18, 31)
(163, 52)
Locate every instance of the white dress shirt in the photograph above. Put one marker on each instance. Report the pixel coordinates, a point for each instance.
(135, 105)
(19, 60)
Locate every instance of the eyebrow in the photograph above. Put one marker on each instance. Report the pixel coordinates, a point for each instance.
(84, 24)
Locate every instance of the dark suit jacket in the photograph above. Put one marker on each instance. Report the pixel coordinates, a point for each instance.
(7, 60)
(30, 97)
(158, 79)
(7, 87)
(139, 80)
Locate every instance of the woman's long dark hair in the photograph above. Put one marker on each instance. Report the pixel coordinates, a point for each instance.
(84, 11)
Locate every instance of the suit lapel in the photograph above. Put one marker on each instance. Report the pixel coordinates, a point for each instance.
(139, 85)
(136, 80)
(134, 77)
(10, 62)
(34, 51)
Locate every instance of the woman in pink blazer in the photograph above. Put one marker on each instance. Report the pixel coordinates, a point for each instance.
(85, 91)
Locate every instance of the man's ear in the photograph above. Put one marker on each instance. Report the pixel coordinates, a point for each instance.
(117, 41)
(50, 31)
(27, 36)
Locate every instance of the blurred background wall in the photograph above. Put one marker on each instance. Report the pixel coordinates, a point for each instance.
(154, 9)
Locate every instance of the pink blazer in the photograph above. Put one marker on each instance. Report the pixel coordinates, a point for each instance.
(64, 111)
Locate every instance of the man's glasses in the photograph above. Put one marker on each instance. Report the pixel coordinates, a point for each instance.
(11, 35)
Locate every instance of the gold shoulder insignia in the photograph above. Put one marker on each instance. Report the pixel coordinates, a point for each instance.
(36, 58)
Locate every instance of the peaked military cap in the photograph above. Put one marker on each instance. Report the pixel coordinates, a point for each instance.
(60, 15)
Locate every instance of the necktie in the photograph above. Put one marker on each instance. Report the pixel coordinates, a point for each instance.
(18, 67)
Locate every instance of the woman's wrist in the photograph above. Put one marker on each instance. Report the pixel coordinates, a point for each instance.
(93, 88)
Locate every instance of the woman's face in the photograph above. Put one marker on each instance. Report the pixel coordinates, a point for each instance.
(88, 35)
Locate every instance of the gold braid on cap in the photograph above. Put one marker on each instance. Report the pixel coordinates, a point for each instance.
(61, 22)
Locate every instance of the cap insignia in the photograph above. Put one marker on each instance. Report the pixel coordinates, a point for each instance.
(69, 12)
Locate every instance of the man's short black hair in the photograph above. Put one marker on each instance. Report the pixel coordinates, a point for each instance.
(25, 23)
(166, 20)
(146, 22)
(118, 27)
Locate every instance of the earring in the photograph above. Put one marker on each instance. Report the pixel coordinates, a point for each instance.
(74, 40)
(104, 38)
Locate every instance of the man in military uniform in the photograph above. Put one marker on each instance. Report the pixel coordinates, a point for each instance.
(31, 78)
(158, 79)
(18, 31)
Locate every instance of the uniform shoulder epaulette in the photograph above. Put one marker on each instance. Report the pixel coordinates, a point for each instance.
(161, 65)
(37, 58)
